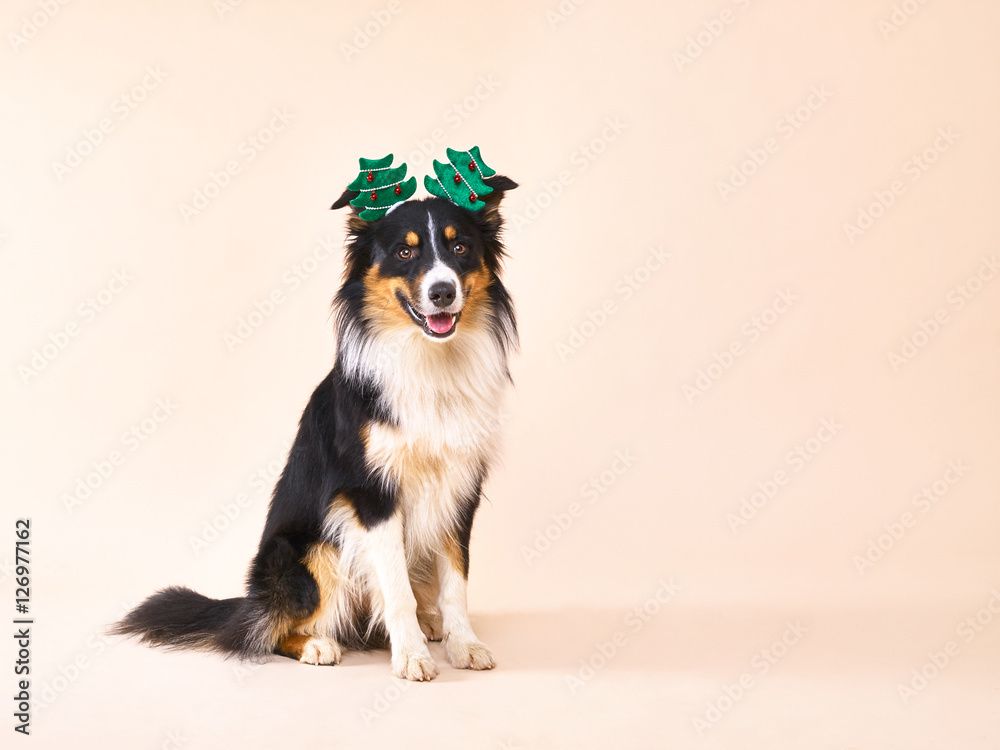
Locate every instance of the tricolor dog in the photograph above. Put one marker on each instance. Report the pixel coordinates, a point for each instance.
(366, 541)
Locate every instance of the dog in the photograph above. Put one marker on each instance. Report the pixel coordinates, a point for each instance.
(366, 541)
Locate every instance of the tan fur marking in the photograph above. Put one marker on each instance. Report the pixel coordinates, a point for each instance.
(453, 551)
(321, 561)
(412, 239)
(413, 465)
(450, 233)
(426, 587)
(476, 283)
(424, 581)
(381, 303)
(324, 561)
(340, 500)
(292, 645)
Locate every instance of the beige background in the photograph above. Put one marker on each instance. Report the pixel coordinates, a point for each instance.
(535, 86)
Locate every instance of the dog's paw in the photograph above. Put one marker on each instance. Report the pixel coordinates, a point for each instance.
(320, 650)
(414, 665)
(469, 654)
(430, 624)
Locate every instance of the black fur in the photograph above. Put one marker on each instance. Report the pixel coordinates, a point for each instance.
(181, 618)
(464, 530)
(344, 199)
(326, 459)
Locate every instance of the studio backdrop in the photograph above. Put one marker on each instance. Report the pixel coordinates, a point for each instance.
(753, 427)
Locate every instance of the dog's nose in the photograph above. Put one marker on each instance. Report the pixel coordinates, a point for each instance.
(442, 293)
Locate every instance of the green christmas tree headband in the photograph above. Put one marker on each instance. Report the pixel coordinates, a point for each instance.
(380, 186)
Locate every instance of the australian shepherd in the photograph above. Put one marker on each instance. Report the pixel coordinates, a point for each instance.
(366, 542)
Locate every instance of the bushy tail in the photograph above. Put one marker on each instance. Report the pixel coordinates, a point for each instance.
(178, 617)
(280, 593)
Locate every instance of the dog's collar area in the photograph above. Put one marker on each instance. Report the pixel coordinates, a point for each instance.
(438, 326)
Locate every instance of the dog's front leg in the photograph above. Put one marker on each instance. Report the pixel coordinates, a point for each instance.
(410, 657)
(465, 650)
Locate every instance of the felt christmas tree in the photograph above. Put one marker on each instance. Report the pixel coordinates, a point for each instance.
(380, 186)
(461, 180)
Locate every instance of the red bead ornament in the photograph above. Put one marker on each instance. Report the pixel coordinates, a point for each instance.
(371, 177)
(457, 178)
(472, 166)
(398, 190)
(374, 195)
(472, 198)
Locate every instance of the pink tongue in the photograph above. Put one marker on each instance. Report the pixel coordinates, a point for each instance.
(440, 323)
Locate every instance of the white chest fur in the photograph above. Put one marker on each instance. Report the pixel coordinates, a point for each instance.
(445, 400)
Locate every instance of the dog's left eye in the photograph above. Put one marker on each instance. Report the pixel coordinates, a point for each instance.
(459, 249)
(405, 253)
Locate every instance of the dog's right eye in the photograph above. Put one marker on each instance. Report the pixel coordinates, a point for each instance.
(405, 253)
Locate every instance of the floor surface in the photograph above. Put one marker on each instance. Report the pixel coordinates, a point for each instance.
(672, 678)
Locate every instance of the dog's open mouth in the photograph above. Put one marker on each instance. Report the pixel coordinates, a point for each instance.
(438, 325)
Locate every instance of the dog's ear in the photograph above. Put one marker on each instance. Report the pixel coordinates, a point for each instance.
(500, 185)
(355, 224)
(343, 200)
(491, 221)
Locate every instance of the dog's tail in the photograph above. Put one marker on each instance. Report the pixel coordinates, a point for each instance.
(178, 617)
(281, 592)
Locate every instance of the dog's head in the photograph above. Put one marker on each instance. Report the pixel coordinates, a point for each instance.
(427, 265)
